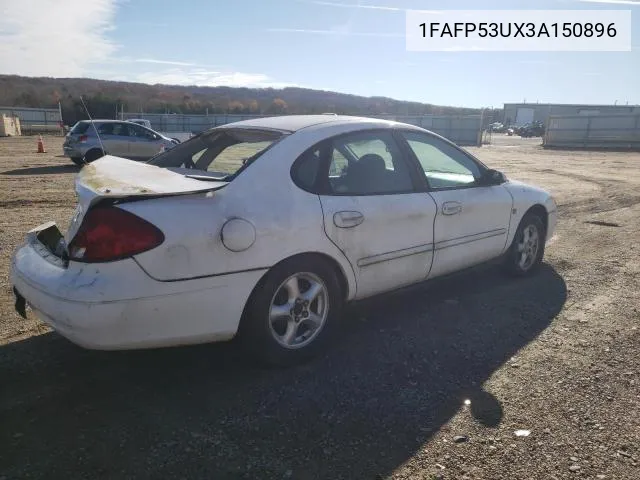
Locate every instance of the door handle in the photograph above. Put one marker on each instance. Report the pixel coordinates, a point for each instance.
(347, 219)
(451, 208)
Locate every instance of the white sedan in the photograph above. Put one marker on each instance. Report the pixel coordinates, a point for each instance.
(264, 228)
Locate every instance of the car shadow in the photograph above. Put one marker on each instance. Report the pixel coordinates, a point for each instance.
(401, 368)
(46, 170)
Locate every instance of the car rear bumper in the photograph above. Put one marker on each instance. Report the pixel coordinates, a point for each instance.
(72, 152)
(116, 305)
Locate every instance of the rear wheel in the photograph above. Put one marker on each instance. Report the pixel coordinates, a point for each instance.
(293, 312)
(92, 155)
(527, 249)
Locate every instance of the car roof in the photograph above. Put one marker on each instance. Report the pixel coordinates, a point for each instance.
(293, 123)
(104, 120)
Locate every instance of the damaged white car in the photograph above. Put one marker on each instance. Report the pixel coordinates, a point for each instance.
(265, 228)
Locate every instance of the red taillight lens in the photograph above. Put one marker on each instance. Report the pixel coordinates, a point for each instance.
(83, 138)
(109, 233)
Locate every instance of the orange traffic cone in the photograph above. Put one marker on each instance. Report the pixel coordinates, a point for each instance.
(41, 145)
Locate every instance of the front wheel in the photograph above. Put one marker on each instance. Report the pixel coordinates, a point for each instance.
(527, 249)
(293, 312)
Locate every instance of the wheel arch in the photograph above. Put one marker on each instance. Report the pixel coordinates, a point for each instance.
(537, 209)
(335, 265)
(94, 150)
(332, 262)
(540, 211)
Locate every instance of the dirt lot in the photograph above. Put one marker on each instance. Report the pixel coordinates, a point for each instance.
(556, 354)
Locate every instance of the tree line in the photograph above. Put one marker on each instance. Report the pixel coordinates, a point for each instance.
(105, 98)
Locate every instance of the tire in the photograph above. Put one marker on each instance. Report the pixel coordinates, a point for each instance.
(93, 155)
(285, 339)
(77, 161)
(517, 262)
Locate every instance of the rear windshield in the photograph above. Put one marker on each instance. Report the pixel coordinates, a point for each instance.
(220, 154)
(80, 128)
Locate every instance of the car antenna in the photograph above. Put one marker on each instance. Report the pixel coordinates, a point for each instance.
(94, 128)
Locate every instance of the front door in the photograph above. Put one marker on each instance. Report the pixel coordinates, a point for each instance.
(472, 221)
(374, 213)
(144, 144)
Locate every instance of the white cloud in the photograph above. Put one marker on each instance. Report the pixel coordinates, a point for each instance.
(164, 62)
(45, 37)
(363, 6)
(207, 78)
(351, 5)
(71, 39)
(535, 62)
(337, 31)
(614, 2)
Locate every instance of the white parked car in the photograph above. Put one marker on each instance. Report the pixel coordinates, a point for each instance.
(265, 228)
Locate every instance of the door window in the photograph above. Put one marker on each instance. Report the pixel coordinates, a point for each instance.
(367, 163)
(106, 129)
(140, 132)
(120, 129)
(444, 165)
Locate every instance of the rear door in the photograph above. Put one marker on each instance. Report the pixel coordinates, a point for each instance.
(374, 212)
(114, 138)
(472, 221)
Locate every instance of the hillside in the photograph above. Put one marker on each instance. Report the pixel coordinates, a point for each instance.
(103, 97)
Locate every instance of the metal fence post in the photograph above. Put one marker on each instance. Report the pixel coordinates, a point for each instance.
(587, 133)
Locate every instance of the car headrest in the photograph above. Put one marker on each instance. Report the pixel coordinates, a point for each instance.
(372, 161)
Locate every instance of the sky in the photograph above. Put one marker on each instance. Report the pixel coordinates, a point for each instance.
(348, 46)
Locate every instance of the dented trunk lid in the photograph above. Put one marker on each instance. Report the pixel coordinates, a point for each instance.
(118, 178)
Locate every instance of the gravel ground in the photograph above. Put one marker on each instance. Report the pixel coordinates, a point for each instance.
(432, 382)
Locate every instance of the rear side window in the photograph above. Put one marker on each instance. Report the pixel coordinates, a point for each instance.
(306, 169)
(80, 128)
(106, 129)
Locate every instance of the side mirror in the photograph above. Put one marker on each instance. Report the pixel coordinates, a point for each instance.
(492, 177)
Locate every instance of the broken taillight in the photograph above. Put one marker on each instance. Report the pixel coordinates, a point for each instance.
(110, 233)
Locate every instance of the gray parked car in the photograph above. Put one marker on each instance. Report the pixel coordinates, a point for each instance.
(121, 139)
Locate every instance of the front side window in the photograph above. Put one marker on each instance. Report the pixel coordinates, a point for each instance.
(140, 132)
(367, 163)
(444, 165)
(120, 129)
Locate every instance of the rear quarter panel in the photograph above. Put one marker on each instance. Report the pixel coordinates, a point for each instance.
(286, 219)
